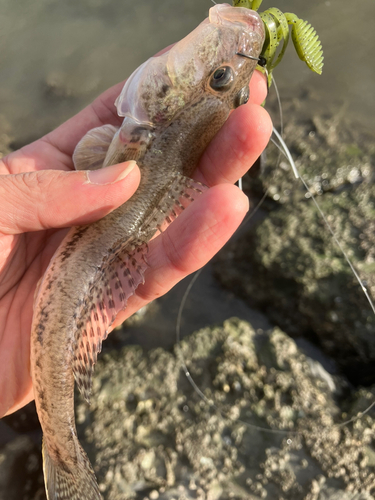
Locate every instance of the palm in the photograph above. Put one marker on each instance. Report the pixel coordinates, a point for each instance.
(23, 260)
(211, 220)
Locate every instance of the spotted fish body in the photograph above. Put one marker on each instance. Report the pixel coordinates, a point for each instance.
(172, 105)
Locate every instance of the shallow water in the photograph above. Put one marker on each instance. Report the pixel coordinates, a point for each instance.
(348, 37)
(57, 56)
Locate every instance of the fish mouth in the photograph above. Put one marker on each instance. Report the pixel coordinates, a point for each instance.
(246, 20)
(226, 14)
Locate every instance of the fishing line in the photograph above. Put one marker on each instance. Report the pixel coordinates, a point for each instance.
(283, 150)
(357, 417)
(281, 116)
(184, 367)
(265, 194)
(186, 371)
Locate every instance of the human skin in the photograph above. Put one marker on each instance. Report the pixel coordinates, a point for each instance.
(41, 197)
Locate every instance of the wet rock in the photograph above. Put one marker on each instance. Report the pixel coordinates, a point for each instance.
(272, 428)
(288, 265)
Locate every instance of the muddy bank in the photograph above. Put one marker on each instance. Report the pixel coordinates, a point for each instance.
(278, 433)
(151, 436)
(150, 431)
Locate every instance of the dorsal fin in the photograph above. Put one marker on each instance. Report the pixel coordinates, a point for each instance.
(118, 279)
(91, 150)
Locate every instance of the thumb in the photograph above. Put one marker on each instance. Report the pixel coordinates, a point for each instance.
(46, 199)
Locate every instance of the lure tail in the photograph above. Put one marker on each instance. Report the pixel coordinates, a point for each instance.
(65, 482)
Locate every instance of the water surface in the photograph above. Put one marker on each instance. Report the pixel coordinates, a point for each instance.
(57, 56)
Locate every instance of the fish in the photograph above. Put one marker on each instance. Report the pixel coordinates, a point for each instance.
(173, 105)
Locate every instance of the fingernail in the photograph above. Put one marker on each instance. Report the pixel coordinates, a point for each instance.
(110, 175)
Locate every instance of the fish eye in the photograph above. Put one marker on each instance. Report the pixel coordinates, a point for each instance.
(222, 78)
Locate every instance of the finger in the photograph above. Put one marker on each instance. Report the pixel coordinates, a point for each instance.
(51, 199)
(258, 88)
(61, 142)
(236, 146)
(27, 397)
(189, 243)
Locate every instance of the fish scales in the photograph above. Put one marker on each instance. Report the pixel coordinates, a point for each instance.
(173, 105)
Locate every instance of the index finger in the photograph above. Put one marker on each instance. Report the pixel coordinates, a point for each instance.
(239, 142)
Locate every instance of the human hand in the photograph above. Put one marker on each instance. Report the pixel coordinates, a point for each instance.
(40, 197)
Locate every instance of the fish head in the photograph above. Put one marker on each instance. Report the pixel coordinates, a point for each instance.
(203, 66)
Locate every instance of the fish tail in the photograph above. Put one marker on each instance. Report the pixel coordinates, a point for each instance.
(65, 482)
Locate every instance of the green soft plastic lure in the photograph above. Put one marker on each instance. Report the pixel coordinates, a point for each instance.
(304, 36)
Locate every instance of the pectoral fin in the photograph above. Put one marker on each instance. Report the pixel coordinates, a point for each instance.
(108, 145)
(129, 143)
(91, 150)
